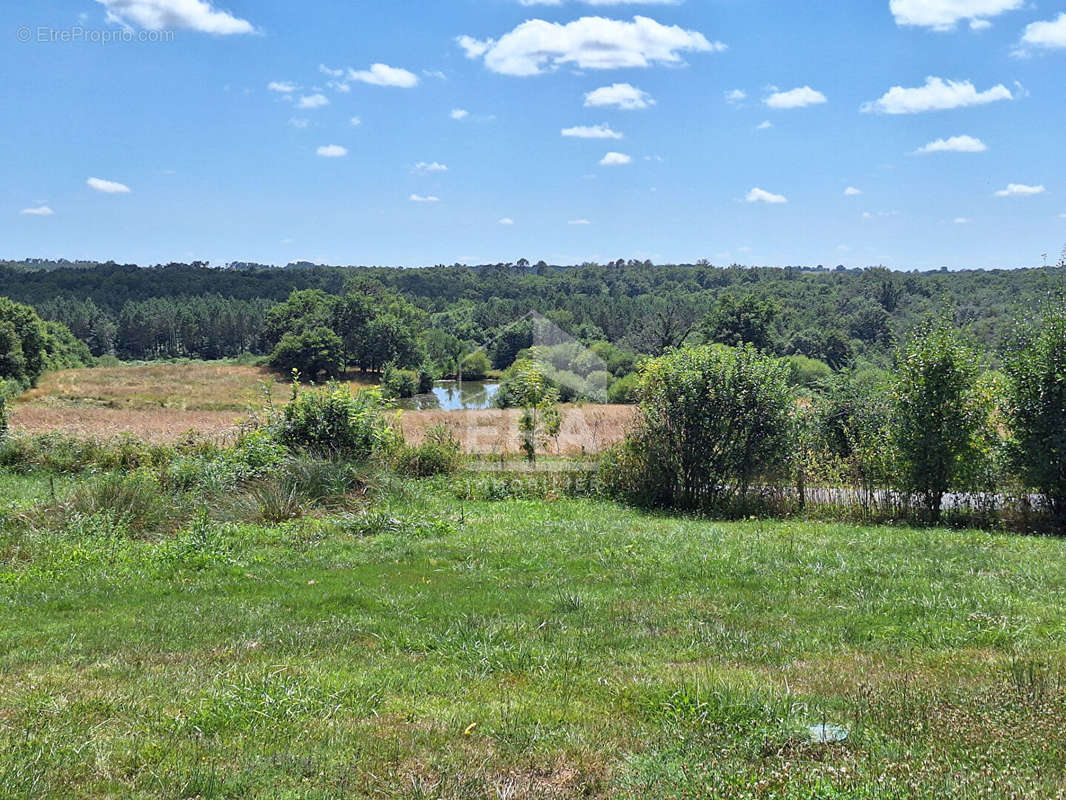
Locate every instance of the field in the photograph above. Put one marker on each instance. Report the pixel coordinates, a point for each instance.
(162, 403)
(529, 648)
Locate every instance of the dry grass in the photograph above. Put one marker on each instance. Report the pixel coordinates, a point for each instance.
(165, 402)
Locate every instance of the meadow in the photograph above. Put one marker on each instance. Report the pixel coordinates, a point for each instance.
(424, 646)
(166, 403)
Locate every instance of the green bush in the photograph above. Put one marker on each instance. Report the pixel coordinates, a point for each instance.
(440, 453)
(58, 452)
(399, 383)
(624, 389)
(1037, 410)
(933, 424)
(808, 373)
(333, 423)
(255, 455)
(310, 354)
(134, 499)
(475, 366)
(711, 422)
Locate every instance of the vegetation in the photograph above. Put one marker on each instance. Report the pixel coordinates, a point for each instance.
(29, 346)
(332, 422)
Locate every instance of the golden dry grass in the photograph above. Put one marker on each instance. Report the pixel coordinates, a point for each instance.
(162, 403)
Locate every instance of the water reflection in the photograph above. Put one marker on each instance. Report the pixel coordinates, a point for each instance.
(454, 396)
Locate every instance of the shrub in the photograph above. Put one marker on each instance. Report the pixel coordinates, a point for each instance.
(134, 499)
(932, 421)
(809, 373)
(426, 379)
(527, 386)
(711, 422)
(440, 453)
(398, 383)
(851, 427)
(624, 390)
(333, 423)
(476, 366)
(1037, 410)
(255, 455)
(57, 452)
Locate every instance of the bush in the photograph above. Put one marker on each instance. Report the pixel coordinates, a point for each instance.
(933, 424)
(808, 373)
(133, 499)
(426, 380)
(399, 383)
(439, 454)
(333, 423)
(57, 452)
(476, 366)
(624, 390)
(711, 422)
(255, 455)
(1037, 410)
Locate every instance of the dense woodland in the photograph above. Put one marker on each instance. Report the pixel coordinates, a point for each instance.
(836, 316)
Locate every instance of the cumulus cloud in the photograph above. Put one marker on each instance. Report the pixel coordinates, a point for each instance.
(312, 101)
(851, 191)
(956, 144)
(588, 222)
(384, 75)
(936, 95)
(107, 187)
(432, 166)
(765, 125)
(285, 87)
(355, 122)
(537, 46)
(736, 96)
(195, 15)
(1050, 34)
(795, 98)
(418, 198)
(332, 151)
(591, 132)
(506, 221)
(622, 96)
(1020, 190)
(38, 211)
(961, 221)
(943, 15)
(613, 159)
(758, 195)
(459, 113)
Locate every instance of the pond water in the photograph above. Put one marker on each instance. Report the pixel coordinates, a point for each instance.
(454, 396)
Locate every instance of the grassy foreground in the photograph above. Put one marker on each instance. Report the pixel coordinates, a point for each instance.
(529, 649)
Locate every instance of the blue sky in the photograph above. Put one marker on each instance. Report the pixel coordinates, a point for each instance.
(263, 131)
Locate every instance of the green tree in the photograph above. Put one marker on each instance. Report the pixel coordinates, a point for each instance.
(711, 421)
(475, 366)
(933, 424)
(744, 320)
(310, 353)
(1037, 409)
(540, 421)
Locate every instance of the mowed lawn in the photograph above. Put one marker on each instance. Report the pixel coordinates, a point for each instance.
(531, 649)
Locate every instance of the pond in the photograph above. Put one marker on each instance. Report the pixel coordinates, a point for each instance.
(454, 396)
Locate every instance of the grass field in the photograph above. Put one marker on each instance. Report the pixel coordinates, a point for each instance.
(556, 649)
(162, 403)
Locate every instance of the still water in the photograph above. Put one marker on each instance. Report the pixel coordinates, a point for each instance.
(454, 396)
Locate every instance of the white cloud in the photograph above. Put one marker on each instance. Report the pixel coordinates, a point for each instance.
(355, 122)
(613, 159)
(622, 96)
(38, 211)
(384, 75)
(459, 113)
(312, 101)
(418, 198)
(980, 24)
(956, 144)
(107, 187)
(435, 73)
(736, 96)
(936, 95)
(427, 167)
(333, 73)
(591, 132)
(1020, 190)
(1050, 34)
(332, 151)
(537, 46)
(154, 15)
(943, 15)
(506, 221)
(765, 125)
(588, 222)
(795, 98)
(851, 191)
(758, 195)
(285, 87)
(962, 221)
